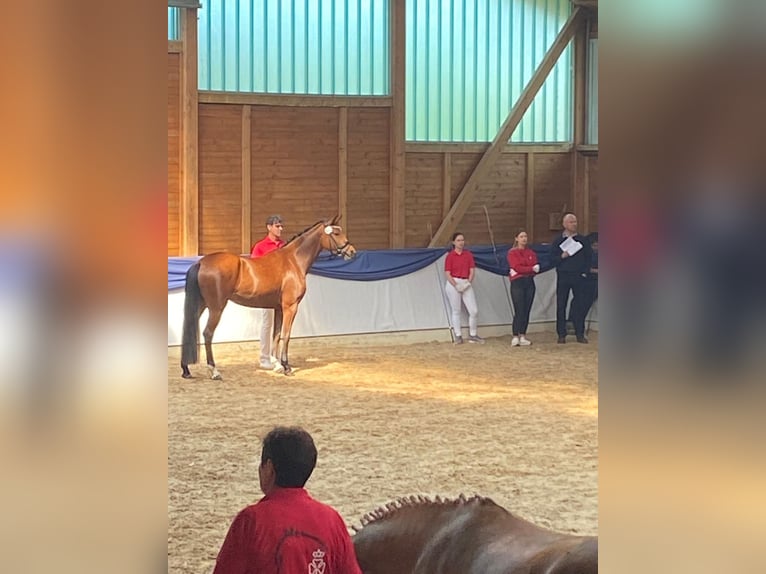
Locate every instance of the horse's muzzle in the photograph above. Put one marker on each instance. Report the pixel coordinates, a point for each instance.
(348, 252)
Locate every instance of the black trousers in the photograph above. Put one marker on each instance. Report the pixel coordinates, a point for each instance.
(574, 282)
(522, 294)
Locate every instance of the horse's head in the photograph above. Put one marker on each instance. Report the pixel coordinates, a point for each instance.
(335, 241)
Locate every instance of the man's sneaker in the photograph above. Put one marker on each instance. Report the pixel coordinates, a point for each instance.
(582, 339)
(523, 341)
(515, 342)
(475, 339)
(458, 340)
(562, 340)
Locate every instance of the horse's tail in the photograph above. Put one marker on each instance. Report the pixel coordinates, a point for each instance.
(192, 306)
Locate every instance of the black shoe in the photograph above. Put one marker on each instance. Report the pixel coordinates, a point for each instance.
(582, 339)
(562, 340)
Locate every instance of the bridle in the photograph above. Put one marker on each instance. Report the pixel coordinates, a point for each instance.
(338, 249)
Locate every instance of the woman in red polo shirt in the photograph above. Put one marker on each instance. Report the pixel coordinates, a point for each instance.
(459, 267)
(524, 266)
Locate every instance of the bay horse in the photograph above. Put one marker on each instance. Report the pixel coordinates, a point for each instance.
(474, 535)
(275, 281)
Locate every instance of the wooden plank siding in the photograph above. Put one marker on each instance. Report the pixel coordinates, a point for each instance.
(220, 178)
(592, 171)
(502, 190)
(423, 197)
(553, 190)
(294, 166)
(174, 154)
(368, 173)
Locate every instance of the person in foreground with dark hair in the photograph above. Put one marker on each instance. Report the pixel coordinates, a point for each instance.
(287, 531)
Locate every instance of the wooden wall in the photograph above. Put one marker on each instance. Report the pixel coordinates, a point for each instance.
(315, 158)
(368, 179)
(295, 169)
(220, 180)
(434, 178)
(174, 153)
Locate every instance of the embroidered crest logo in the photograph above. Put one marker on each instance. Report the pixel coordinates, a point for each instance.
(317, 565)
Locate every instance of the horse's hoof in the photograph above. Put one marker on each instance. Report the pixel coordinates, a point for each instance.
(187, 375)
(289, 373)
(217, 377)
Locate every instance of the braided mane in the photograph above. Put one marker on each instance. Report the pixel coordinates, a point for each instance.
(309, 228)
(391, 508)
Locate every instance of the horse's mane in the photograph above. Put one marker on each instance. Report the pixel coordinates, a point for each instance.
(391, 508)
(309, 228)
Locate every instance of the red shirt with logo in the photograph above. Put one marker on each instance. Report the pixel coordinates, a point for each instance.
(459, 264)
(287, 532)
(266, 245)
(522, 261)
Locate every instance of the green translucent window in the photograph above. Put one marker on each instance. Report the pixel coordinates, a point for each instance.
(294, 46)
(173, 16)
(468, 61)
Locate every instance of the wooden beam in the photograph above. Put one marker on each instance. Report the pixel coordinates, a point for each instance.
(175, 46)
(530, 203)
(585, 217)
(189, 135)
(580, 82)
(588, 149)
(397, 156)
(458, 147)
(194, 4)
(446, 183)
(242, 98)
(343, 165)
(463, 200)
(246, 232)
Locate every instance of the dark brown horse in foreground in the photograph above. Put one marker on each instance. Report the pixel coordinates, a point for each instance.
(465, 536)
(275, 281)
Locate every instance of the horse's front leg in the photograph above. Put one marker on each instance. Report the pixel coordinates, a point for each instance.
(289, 312)
(277, 337)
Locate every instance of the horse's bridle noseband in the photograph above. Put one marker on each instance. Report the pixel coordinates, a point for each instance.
(339, 249)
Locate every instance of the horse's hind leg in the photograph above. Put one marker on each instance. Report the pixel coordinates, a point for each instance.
(213, 319)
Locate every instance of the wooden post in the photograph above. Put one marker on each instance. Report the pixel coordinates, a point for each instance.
(578, 200)
(397, 157)
(343, 165)
(530, 203)
(446, 183)
(189, 204)
(488, 159)
(246, 233)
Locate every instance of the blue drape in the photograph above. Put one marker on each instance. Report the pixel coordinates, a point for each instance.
(374, 265)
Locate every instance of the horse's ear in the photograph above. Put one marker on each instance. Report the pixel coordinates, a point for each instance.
(336, 219)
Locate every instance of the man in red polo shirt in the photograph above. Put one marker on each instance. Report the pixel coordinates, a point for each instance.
(271, 242)
(287, 531)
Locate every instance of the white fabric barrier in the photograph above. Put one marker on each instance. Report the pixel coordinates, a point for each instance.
(413, 302)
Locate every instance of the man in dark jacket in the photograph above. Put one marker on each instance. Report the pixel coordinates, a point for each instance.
(571, 255)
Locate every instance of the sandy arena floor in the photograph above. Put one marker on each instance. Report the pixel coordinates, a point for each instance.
(519, 425)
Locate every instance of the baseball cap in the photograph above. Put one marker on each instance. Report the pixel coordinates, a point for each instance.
(272, 219)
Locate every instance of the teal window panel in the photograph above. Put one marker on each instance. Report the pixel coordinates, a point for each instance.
(174, 31)
(468, 61)
(333, 47)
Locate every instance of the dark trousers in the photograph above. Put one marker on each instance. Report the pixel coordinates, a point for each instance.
(566, 282)
(522, 295)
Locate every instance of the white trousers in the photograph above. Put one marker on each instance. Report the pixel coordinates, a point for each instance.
(267, 332)
(468, 298)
